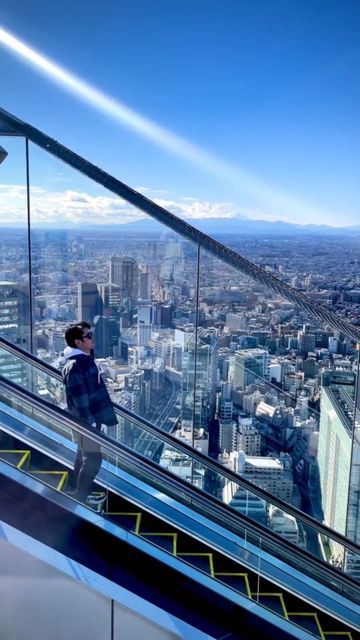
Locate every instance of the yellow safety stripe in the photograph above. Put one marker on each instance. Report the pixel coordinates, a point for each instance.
(127, 513)
(173, 535)
(26, 454)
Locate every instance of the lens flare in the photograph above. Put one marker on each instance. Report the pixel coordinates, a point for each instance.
(273, 198)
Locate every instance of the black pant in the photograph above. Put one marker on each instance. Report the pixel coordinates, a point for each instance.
(87, 464)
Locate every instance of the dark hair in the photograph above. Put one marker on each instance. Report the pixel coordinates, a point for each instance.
(75, 332)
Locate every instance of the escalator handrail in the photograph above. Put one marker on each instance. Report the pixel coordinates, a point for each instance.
(218, 511)
(199, 457)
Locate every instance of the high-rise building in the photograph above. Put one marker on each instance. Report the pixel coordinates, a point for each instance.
(144, 285)
(249, 365)
(89, 302)
(111, 299)
(199, 365)
(124, 273)
(306, 340)
(339, 463)
(106, 336)
(15, 327)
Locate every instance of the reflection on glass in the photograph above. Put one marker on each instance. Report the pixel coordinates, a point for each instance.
(98, 259)
(14, 255)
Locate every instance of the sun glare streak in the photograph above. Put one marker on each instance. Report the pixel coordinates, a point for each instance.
(180, 147)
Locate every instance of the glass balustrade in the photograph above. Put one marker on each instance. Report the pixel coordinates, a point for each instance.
(244, 372)
(184, 462)
(59, 439)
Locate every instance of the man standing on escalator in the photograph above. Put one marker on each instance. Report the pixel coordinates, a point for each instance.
(87, 398)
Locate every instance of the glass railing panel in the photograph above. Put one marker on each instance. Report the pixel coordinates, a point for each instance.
(15, 310)
(44, 385)
(60, 477)
(212, 480)
(284, 386)
(98, 259)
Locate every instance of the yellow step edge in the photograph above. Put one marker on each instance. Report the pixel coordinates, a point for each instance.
(237, 575)
(64, 476)
(268, 594)
(127, 513)
(173, 535)
(339, 633)
(309, 615)
(203, 555)
(26, 452)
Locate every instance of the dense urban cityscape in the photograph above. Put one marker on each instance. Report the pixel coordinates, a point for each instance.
(243, 375)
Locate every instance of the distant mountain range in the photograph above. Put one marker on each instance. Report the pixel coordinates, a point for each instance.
(244, 226)
(220, 226)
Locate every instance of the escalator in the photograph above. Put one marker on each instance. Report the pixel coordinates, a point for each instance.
(157, 530)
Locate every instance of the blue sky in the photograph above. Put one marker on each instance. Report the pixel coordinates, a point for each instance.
(269, 88)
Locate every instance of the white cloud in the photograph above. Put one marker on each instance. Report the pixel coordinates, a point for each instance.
(69, 207)
(73, 207)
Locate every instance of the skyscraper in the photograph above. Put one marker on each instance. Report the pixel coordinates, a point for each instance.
(199, 378)
(249, 365)
(89, 302)
(124, 273)
(15, 327)
(339, 465)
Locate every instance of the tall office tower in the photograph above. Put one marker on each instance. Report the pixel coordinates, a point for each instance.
(15, 327)
(306, 340)
(124, 273)
(173, 265)
(226, 410)
(111, 299)
(249, 365)
(144, 285)
(106, 336)
(89, 302)
(199, 365)
(339, 463)
(144, 324)
(227, 436)
(143, 333)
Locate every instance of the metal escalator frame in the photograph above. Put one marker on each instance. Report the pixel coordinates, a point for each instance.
(188, 450)
(193, 453)
(195, 498)
(11, 125)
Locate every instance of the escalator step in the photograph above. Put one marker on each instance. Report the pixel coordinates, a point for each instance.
(167, 541)
(308, 621)
(273, 601)
(129, 520)
(56, 479)
(237, 581)
(203, 561)
(18, 457)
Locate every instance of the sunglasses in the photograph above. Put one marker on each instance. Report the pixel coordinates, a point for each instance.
(88, 335)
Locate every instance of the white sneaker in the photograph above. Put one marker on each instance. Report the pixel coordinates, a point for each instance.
(96, 500)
